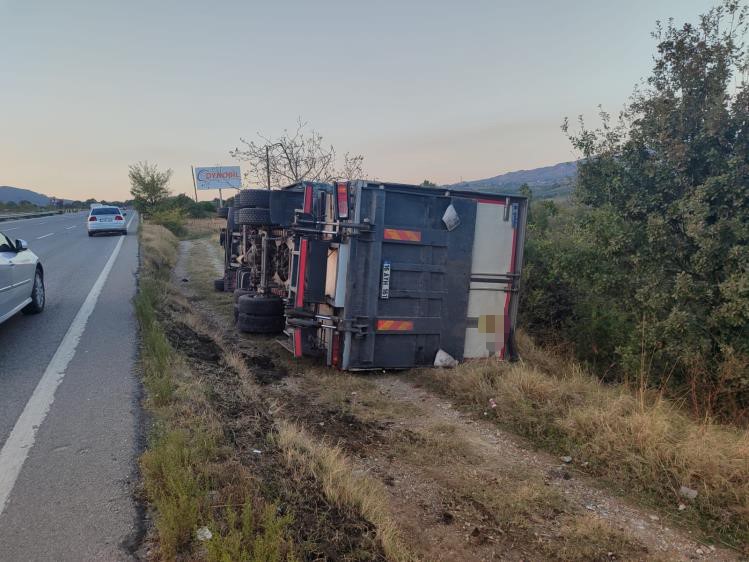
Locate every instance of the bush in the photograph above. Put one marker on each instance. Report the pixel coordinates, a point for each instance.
(171, 219)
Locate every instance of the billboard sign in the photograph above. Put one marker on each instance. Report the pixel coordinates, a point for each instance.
(218, 177)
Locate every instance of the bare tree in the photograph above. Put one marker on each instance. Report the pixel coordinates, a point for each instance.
(293, 157)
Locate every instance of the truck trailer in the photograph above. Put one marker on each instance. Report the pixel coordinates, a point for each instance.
(373, 275)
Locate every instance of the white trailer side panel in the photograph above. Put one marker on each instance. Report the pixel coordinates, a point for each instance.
(489, 293)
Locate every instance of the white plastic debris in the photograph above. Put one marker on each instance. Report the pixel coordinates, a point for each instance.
(256, 451)
(566, 459)
(492, 404)
(451, 218)
(688, 493)
(444, 360)
(204, 534)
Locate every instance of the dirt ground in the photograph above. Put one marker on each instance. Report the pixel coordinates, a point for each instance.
(458, 487)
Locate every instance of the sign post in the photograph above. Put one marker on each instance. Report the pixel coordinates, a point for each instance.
(193, 183)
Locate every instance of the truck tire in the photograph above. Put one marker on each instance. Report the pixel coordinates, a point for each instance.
(260, 305)
(218, 285)
(254, 198)
(230, 224)
(241, 292)
(222, 212)
(260, 324)
(253, 216)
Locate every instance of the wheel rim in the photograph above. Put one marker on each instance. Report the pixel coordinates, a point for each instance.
(39, 290)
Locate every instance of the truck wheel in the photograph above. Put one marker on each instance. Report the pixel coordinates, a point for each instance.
(218, 285)
(260, 305)
(260, 324)
(254, 216)
(231, 226)
(254, 198)
(223, 212)
(241, 292)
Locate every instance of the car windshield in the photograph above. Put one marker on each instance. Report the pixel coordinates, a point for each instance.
(105, 211)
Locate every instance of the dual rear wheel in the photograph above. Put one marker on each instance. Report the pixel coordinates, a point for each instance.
(259, 314)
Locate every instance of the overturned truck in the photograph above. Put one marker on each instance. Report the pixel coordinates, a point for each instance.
(371, 275)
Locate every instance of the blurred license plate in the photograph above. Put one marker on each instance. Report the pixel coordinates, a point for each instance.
(106, 220)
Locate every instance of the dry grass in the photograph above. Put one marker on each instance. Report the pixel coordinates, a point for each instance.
(640, 441)
(342, 485)
(202, 228)
(355, 493)
(437, 445)
(191, 477)
(586, 539)
(158, 251)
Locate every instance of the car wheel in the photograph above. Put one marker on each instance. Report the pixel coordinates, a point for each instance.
(260, 324)
(90, 233)
(38, 296)
(124, 232)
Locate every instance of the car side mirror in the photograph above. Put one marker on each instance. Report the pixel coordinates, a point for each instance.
(21, 245)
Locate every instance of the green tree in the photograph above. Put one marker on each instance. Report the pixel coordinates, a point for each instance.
(149, 185)
(427, 183)
(665, 193)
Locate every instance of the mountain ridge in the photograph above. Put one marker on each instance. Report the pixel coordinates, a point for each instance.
(546, 182)
(9, 194)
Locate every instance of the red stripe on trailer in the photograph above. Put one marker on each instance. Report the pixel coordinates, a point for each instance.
(297, 342)
(490, 201)
(507, 296)
(302, 274)
(308, 198)
(299, 301)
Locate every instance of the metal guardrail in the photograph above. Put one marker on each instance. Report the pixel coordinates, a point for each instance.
(14, 216)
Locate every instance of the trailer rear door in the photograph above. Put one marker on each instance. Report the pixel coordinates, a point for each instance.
(407, 278)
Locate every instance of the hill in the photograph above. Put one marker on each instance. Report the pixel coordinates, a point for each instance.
(17, 194)
(548, 182)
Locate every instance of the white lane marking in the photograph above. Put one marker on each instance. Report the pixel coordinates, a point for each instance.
(21, 439)
(69, 227)
(40, 237)
(9, 229)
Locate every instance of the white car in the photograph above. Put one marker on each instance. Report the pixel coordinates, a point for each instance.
(106, 219)
(21, 279)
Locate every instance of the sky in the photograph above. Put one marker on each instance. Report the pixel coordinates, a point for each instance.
(433, 89)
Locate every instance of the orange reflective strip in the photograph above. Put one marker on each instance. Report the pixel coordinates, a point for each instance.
(397, 234)
(395, 325)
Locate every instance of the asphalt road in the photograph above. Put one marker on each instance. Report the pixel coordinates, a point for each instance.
(69, 410)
